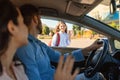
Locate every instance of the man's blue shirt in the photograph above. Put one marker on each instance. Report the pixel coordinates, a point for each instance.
(36, 57)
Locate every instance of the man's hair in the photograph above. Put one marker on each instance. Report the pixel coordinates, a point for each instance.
(28, 12)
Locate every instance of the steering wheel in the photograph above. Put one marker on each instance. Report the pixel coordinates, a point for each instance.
(94, 61)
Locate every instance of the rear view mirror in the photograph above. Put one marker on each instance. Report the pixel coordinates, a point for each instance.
(112, 6)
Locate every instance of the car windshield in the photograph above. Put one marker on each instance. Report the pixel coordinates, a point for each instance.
(81, 36)
(102, 13)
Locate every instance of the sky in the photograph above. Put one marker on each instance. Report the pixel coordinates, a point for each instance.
(53, 23)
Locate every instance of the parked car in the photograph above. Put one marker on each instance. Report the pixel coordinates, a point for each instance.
(75, 12)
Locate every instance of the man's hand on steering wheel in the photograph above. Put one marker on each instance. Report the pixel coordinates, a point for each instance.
(94, 46)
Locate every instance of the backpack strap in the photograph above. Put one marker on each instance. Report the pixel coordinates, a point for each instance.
(58, 39)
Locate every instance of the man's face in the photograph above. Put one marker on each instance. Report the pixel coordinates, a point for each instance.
(39, 26)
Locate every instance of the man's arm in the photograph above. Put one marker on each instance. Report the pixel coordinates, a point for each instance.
(92, 47)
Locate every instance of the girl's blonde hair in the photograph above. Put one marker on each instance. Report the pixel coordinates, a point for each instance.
(57, 27)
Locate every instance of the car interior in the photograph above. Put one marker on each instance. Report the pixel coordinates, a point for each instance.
(105, 60)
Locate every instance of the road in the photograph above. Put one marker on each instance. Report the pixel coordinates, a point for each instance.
(78, 43)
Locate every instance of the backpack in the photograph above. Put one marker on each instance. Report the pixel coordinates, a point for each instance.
(58, 39)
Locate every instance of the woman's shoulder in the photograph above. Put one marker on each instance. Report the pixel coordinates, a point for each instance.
(4, 75)
(19, 71)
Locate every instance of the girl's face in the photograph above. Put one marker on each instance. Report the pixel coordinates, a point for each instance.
(21, 31)
(62, 27)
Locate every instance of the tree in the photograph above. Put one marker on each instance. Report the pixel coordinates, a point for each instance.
(45, 30)
(114, 25)
(76, 29)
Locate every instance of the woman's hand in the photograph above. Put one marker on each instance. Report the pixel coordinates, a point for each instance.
(63, 71)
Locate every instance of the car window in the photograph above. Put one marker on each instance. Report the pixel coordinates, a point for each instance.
(117, 44)
(80, 35)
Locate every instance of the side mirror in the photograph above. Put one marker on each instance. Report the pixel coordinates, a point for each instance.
(112, 6)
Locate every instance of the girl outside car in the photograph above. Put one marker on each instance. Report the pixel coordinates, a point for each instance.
(61, 38)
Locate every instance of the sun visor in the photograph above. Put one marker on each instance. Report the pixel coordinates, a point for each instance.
(81, 7)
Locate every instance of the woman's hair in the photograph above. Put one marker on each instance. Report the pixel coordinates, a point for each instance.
(57, 27)
(28, 12)
(7, 12)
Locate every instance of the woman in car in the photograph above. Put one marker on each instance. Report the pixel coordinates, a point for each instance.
(61, 38)
(13, 34)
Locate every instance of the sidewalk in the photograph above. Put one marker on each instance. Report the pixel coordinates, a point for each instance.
(78, 43)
